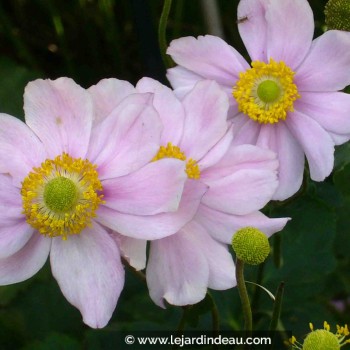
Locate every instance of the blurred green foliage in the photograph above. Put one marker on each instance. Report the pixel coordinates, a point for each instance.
(93, 39)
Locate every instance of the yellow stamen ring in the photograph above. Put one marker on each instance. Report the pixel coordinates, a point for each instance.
(61, 196)
(266, 92)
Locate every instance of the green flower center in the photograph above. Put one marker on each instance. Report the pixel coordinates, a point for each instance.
(60, 194)
(268, 91)
(321, 339)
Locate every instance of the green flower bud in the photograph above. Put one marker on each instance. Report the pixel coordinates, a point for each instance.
(337, 14)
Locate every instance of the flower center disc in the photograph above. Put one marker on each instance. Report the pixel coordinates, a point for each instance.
(171, 151)
(266, 92)
(61, 197)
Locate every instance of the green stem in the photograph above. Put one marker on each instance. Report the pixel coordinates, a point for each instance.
(162, 34)
(277, 306)
(243, 294)
(214, 315)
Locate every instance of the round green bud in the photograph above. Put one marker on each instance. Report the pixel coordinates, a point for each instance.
(337, 14)
(251, 245)
(268, 91)
(60, 194)
(321, 339)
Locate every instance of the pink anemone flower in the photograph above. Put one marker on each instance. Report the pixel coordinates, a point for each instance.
(240, 180)
(288, 99)
(59, 170)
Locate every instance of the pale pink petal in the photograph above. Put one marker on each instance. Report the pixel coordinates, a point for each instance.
(127, 139)
(169, 108)
(245, 130)
(326, 68)
(107, 94)
(159, 225)
(14, 237)
(134, 251)
(290, 29)
(177, 270)
(89, 272)
(316, 143)
(329, 109)
(222, 274)
(206, 109)
(242, 192)
(222, 226)
(155, 188)
(20, 149)
(252, 27)
(60, 112)
(10, 202)
(291, 162)
(239, 158)
(26, 262)
(208, 56)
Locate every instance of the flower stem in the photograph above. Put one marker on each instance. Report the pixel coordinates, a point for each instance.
(243, 294)
(214, 315)
(162, 34)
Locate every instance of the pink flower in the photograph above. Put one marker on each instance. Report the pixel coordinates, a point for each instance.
(60, 170)
(288, 99)
(240, 180)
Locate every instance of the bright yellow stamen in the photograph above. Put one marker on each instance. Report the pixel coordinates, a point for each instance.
(266, 92)
(171, 151)
(60, 198)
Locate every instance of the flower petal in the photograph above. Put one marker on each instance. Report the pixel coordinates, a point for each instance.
(222, 226)
(169, 108)
(206, 109)
(60, 113)
(134, 251)
(316, 143)
(127, 139)
(289, 40)
(159, 225)
(329, 109)
(201, 57)
(245, 130)
(252, 27)
(107, 94)
(20, 149)
(89, 272)
(155, 188)
(26, 262)
(242, 192)
(177, 271)
(326, 68)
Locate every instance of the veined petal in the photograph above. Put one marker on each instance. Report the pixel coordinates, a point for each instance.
(60, 112)
(20, 149)
(252, 27)
(245, 130)
(169, 108)
(206, 109)
(222, 226)
(107, 94)
(89, 272)
(177, 271)
(26, 262)
(127, 139)
(159, 225)
(201, 57)
(289, 40)
(155, 188)
(326, 67)
(316, 143)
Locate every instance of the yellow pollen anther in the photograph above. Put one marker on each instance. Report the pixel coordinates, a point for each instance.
(266, 92)
(171, 151)
(61, 197)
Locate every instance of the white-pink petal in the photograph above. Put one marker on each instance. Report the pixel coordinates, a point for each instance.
(155, 188)
(316, 143)
(134, 251)
(326, 67)
(60, 112)
(89, 272)
(289, 40)
(26, 262)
